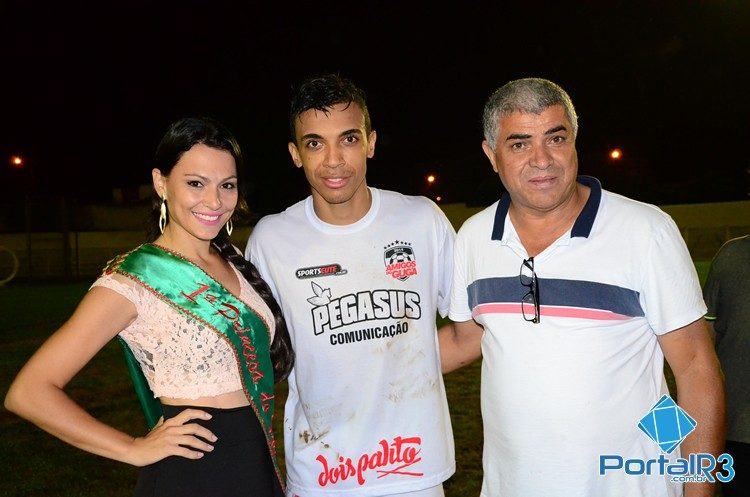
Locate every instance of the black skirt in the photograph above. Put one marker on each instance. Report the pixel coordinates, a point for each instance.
(239, 466)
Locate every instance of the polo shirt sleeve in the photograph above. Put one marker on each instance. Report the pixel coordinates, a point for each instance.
(670, 290)
(459, 307)
(712, 290)
(446, 239)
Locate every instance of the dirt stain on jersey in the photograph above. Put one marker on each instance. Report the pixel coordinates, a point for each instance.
(309, 438)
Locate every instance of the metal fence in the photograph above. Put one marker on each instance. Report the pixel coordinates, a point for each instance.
(47, 256)
(75, 255)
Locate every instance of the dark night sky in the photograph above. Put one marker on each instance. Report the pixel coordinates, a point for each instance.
(87, 93)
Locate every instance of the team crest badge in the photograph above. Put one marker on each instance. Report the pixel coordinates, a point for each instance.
(399, 259)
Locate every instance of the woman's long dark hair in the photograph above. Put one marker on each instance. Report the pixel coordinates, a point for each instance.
(181, 137)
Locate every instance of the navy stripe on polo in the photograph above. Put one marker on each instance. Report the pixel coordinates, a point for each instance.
(558, 292)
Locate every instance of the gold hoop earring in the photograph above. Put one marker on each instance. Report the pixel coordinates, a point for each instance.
(163, 215)
(229, 227)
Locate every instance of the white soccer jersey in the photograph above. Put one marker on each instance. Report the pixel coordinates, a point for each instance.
(366, 413)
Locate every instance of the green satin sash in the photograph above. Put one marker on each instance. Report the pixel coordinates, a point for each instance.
(192, 292)
(149, 404)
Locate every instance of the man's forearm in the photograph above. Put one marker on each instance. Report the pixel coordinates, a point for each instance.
(700, 391)
(449, 348)
(459, 345)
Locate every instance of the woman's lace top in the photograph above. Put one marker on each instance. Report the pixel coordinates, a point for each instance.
(179, 356)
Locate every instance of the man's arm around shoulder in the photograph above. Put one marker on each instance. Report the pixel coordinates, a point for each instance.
(460, 344)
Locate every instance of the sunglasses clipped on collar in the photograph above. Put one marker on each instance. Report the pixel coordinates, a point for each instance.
(530, 301)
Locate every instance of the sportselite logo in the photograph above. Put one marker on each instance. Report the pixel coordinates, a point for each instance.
(667, 425)
(400, 261)
(389, 312)
(319, 271)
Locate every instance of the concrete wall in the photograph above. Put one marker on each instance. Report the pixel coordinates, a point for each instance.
(705, 228)
(718, 214)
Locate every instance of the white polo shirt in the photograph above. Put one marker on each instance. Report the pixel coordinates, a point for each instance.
(557, 394)
(366, 413)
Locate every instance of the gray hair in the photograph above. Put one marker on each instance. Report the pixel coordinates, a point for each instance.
(527, 95)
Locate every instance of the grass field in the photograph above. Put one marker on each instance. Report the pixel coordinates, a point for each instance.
(35, 463)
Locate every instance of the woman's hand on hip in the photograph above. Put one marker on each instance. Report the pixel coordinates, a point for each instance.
(174, 437)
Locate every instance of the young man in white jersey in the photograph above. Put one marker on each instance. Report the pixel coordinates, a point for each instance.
(360, 274)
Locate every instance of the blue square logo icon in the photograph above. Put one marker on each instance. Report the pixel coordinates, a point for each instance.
(667, 424)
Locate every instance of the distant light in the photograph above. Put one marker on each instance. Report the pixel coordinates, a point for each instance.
(615, 154)
(438, 198)
(431, 178)
(16, 161)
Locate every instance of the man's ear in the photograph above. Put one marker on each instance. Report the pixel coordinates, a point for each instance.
(371, 139)
(490, 154)
(294, 152)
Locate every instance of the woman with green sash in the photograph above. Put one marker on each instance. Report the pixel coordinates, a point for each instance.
(203, 337)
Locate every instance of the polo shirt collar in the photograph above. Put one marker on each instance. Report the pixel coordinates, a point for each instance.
(583, 224)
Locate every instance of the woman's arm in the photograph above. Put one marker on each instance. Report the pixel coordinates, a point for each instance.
(37, 392)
